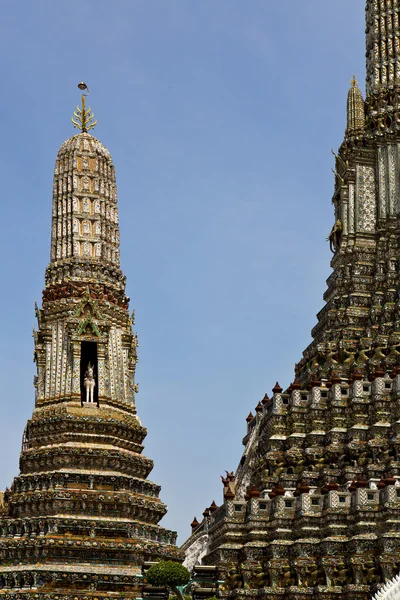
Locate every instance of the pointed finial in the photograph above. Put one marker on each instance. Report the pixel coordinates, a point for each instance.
(84, 120)
(265, 400)
(355, 109)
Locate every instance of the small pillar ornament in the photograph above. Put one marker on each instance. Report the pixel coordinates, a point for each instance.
(355, 109)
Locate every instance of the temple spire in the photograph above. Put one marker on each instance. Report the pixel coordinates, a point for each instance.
(82, 455)
(355, 109)
(382, 44)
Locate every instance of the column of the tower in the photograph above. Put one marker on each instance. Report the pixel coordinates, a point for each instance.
(383, 44)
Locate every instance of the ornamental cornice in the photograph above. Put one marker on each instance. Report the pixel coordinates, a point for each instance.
(79, 525)
(105, 415)
(26, 482)
(96, 544)
(104, 435)
(75, 449)
(89, 496)
(87, 458)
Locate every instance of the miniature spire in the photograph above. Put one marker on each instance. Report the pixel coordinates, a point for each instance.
(277, 389)
(213, 506)
(84, 120)
(355, 109)
(265, 400)
(250, 417)
(252, 492)
(229, 494)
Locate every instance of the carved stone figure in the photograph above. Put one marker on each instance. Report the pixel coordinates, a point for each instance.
(89, 383)
(335, 236)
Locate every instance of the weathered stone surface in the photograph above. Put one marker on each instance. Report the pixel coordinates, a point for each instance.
(314, 506)
(82, 517)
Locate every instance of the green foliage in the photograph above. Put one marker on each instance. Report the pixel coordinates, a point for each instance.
(185, 597)
(167, 574)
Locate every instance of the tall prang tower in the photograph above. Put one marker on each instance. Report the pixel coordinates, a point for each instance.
(82, 517)
(313, 508)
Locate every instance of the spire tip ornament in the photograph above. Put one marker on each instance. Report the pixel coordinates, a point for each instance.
(84, 119)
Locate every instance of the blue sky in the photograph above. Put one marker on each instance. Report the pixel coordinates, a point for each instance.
(220, 116)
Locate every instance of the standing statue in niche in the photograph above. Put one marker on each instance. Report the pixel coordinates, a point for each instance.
(89, 383)
(335, 236)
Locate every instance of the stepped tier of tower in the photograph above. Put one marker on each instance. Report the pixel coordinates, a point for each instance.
(81, 517)
(313, 508)
(81, 500)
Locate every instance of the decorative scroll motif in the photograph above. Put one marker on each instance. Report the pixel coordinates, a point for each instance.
(366, 199)
(55, 378)
(105, 293)
(351, 208)
(118, 366)
(382, 181)
(393, 191)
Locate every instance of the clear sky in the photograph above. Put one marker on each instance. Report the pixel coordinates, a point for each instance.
(220, 116)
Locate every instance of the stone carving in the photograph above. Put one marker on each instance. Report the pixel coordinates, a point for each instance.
(89, 383)
(335, 236)
(81, 517)
(366, 199)
(320, 517)
(88, 154)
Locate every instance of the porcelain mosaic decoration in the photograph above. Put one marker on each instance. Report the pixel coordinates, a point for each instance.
(82, 517)
(314, 506)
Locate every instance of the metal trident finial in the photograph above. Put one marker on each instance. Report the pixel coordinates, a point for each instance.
(84, 119)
